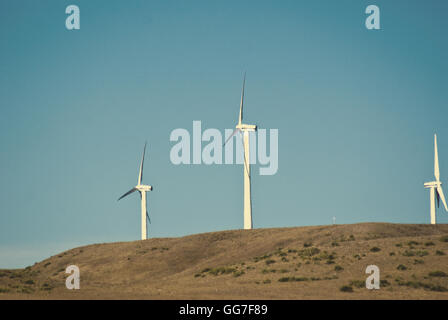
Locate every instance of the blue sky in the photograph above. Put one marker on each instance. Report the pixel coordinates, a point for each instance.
(356, 111)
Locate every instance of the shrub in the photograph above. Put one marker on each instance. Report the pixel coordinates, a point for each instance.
(308, 252)
(26, 290)
(300, 279)
(444, 238)
(430, 243)
(46, 287)
(411, 243)
(221, 270)
(338, 268)
(14, 275)
(437, 274)
(408, 253)
(256, 259)
(30, 282)
(417, 261)
(292, 279)
(346, 289)
(323, 256)
(375, 249)
(307, 244)
(399, 245)
(4, 290)
(357, 283)
(440, 253)
(384, 283)
(426, 286)
(268, 271)
(435, 287)
(401, 267)
(284, 279)
(419, 253)
(270, 261)
(391, 253)
(237, 273)
(334, 244)
(266, 281)
(422, 253)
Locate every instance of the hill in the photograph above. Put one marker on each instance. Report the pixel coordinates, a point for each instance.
(318, 262)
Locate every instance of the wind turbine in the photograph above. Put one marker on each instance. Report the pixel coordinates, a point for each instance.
(243, 130)
(142, 189)
(435, 187)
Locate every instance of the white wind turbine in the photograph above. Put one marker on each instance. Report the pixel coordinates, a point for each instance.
(435, 187)
(142, 189)
(244, 130)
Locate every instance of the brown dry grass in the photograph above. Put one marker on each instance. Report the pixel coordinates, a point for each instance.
(310, 262)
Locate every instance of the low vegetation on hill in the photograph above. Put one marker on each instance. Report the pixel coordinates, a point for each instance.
(321, 262)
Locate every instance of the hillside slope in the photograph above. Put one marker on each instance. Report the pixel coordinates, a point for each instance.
(319, 262)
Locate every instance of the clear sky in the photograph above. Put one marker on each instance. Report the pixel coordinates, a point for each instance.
(356, 111)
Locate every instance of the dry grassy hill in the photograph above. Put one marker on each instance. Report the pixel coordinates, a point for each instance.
(322, 262)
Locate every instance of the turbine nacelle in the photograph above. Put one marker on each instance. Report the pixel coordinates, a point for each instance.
(246, 127)
(143, 188)
(433, 184)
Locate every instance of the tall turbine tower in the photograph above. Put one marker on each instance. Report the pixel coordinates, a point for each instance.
(435, 187)
(142, 189)
(243, 130)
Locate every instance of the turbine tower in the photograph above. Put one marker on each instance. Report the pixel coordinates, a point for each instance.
(243, 130)
(435, 187)
(142, 189)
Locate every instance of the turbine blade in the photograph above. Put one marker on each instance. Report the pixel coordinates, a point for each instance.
(436, 160)
(230, 137)
(440, 192)
(240, 118)
(438, 199)
(140, 174)
(127, 193)
(147, 216)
